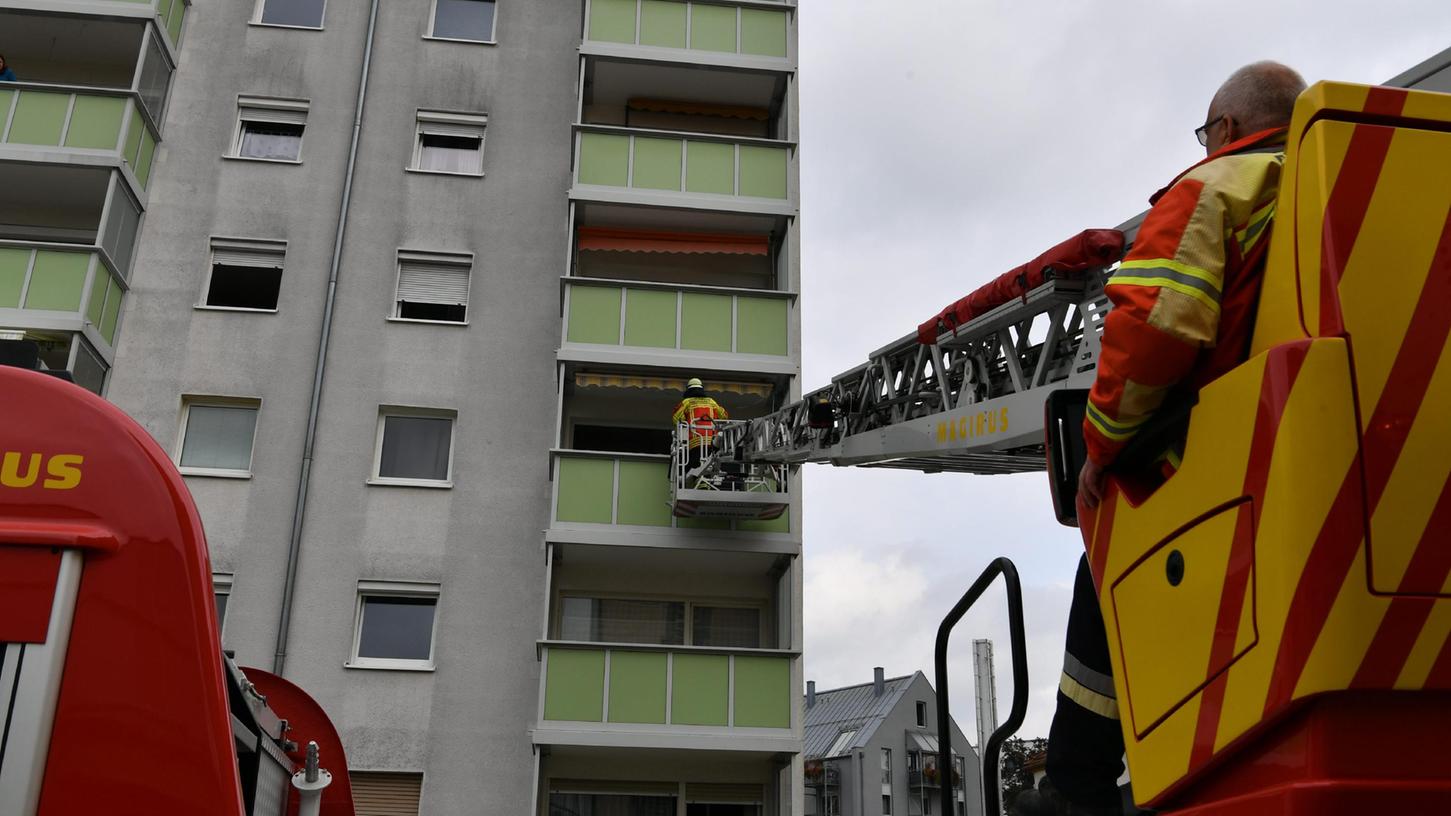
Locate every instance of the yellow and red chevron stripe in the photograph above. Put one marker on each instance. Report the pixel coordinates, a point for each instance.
(1312, 510)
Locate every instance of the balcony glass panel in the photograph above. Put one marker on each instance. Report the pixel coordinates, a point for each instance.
(118, 236)
(78, 120)
(702, 689)
(652, 162)
(48, 279)
(743, 324)
(595, 488)
(155, 78)
(694, 26)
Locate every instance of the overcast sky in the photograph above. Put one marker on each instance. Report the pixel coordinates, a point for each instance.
(947, 141)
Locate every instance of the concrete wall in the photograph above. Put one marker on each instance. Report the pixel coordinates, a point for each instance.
(481, 539)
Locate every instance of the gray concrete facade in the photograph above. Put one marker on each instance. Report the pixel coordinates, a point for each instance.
(465, 723)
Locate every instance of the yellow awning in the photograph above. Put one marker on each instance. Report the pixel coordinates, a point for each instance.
(668, 384)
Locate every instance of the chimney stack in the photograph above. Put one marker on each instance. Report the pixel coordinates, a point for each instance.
(810, 693)
(879, 683)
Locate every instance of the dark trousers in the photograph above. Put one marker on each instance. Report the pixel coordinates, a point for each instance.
(1085, 743)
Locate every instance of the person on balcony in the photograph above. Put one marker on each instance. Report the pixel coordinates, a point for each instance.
(6, 75)
(699, 412)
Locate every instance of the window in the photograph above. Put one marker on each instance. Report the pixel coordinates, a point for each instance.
(295, 13)
(608, 620)
(733, 627)
(245, 275)
(471, 20)
(415, 447)
(921, 714)
(927, 805)
(887, 804)
(222, 591)
(914, 761)
(608, 804)
(270, 129)
(842, 743)
(833, 805)
(216, 436)
(450, 143)
(395, 625)
(886, 766)
(432, 286)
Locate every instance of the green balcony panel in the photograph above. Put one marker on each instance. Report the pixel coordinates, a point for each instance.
(142, 168)
(39, 118)
(96, 122)
(612, 20)
(657, 164)
(132, 148)
(5, 98)
(173, 22)
(763, 32)
(13, 263)
(710, 167)
(761, 326)
(649, 318)
(586, 490)
(763, 692)
(96, 300)
(637, 687)
(574, 685)
(705, 322)
(113, 311)
(644, 494)
(699, 689)
(780, 524)
(713, 28)
(604, 158)
(662, 23)
(763, 171)
(57, 280)
(594, 315)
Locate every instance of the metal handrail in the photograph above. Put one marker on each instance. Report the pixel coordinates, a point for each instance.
(991, 791)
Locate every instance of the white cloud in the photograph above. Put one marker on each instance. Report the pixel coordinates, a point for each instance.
(944, 142)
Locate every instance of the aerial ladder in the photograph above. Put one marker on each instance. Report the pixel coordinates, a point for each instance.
(1279, 610)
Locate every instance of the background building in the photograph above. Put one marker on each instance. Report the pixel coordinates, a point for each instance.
(871, 749)
(418, 285)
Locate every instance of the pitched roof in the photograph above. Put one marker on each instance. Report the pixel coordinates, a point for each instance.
(852, 708)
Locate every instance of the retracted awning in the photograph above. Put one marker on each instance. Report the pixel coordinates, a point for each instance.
(927, 742)
(585, 380)
(609, 239)
(699, 109)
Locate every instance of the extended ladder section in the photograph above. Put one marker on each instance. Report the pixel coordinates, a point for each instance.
(961, 395)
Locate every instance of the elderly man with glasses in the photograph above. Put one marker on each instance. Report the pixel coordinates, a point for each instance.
(1183, 309)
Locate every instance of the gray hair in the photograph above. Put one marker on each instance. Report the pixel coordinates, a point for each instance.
(1259, 96)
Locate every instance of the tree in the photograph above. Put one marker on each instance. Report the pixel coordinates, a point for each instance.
(1013, 766)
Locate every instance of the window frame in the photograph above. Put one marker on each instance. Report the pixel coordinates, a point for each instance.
(189, 401)
(258, 246)
(921, 714)
(285, 108)
(385, 411)
(222, 583)
(260, 6)
(423, 118)
(394, 589)
(761, 607)
(458, 259)
(433, 19)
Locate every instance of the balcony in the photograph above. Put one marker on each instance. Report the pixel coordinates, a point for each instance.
(74, 125)
(665, 696)
(662, 324)
(60, 288)
(667, 169)
(755, 33)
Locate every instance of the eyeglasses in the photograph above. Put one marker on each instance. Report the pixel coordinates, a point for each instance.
(1202, 132)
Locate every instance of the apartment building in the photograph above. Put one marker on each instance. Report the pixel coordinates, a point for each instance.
(79, 131)
(418, 285)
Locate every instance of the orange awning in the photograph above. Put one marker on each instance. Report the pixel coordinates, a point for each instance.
(608, 239)
(700, 109)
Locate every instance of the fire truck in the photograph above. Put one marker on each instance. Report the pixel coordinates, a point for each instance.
(1279, 610)
(115, 694)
